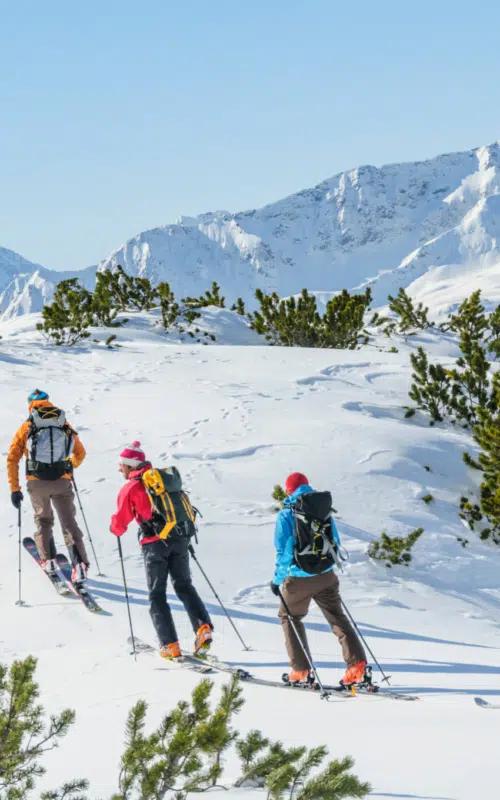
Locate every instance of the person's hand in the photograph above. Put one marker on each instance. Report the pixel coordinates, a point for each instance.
(114, 532)
(16, 499)
(274, 588)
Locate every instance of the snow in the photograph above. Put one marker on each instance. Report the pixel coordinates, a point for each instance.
(236, 420)
(383, 227)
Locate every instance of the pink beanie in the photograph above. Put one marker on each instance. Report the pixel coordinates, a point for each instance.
(132, 455)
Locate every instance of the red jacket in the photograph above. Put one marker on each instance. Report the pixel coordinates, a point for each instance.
(133, 504)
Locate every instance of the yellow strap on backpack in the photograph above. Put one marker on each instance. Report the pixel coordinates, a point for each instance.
(160, 500)
(188, 508)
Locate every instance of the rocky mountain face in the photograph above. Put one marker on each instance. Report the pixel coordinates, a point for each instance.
(432, 223)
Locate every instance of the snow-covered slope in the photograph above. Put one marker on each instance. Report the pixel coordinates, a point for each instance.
(384, 227)
(236, 421)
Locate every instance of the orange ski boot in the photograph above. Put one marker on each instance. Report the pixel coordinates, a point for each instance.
(203, 638)
(354, 674)
(171, 651)
(298, 676)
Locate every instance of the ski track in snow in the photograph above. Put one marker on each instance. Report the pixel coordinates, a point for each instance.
(238, 420)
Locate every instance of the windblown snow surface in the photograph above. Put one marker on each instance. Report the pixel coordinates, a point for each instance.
(236, 420)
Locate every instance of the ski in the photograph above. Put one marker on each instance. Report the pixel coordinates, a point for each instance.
(79, 590)
(185, 662)
(57, 582)
(486, 704)
(333, 692)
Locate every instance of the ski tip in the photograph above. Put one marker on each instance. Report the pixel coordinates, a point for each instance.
(480, 702)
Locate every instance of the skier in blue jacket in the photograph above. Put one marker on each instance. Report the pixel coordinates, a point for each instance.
(298, 588)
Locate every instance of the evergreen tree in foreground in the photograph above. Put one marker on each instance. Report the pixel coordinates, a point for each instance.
(487, 436)
(184, 754)
(25, 735)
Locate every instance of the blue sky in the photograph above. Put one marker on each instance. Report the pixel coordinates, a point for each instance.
(117, 116)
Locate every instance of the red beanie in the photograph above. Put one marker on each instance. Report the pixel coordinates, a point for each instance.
(295, 480)
(132, 456)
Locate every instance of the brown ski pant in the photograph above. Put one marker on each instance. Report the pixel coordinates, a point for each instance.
(324, 590)
(58, 494)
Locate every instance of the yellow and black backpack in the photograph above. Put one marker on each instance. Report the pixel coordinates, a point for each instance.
(172, 509)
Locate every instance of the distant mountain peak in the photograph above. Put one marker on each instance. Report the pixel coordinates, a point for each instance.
(380, 226)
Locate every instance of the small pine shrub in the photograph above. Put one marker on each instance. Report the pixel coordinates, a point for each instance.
(67, 320)
(296, 322)
(410, 317)
(279, 495)
(211, 297)
(239, 307)
(431, 386)
(394, 550)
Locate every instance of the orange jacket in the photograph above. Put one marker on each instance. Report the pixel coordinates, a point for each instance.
(19, 448)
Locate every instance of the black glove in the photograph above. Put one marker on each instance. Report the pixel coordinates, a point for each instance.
(274, 588)
(16, 499)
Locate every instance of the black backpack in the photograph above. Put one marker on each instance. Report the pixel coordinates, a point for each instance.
(171, 507)
(314, 547)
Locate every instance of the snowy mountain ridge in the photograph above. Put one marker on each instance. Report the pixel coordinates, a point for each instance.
(384, 227)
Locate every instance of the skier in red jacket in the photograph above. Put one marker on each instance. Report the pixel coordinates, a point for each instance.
(162, 557)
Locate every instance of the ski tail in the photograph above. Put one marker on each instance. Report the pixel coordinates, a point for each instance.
(59, 583)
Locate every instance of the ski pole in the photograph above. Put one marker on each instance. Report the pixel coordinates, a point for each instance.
(100, 574)
(19, 602)
(385, 677)
(193, 554)
(303, 647)
(126, 597)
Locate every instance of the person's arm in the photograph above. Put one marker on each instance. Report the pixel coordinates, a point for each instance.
(16, 452)
(336, 536)
(125, 511)
(78, 453)
(283, 542)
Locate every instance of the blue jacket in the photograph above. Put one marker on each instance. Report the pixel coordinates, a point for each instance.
(283, 540)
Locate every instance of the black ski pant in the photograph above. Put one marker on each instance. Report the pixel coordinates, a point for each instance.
(161, 559)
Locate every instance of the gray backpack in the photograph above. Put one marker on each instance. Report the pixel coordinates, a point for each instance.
(50, 444)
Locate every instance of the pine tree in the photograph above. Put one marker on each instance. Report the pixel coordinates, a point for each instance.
(394, 550)
(279, 494)
(411, 318)
(184, 754)
(107, 299)
(336, 782)
(67, 320)
(343, 320)
(493, 339)
(470, 320)
(296, 322)
(239, 307)
(487, 436)
(25, 735)
(169, 308)
(212, 297)
(431, 386)
(135, 293)
(291, 322)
